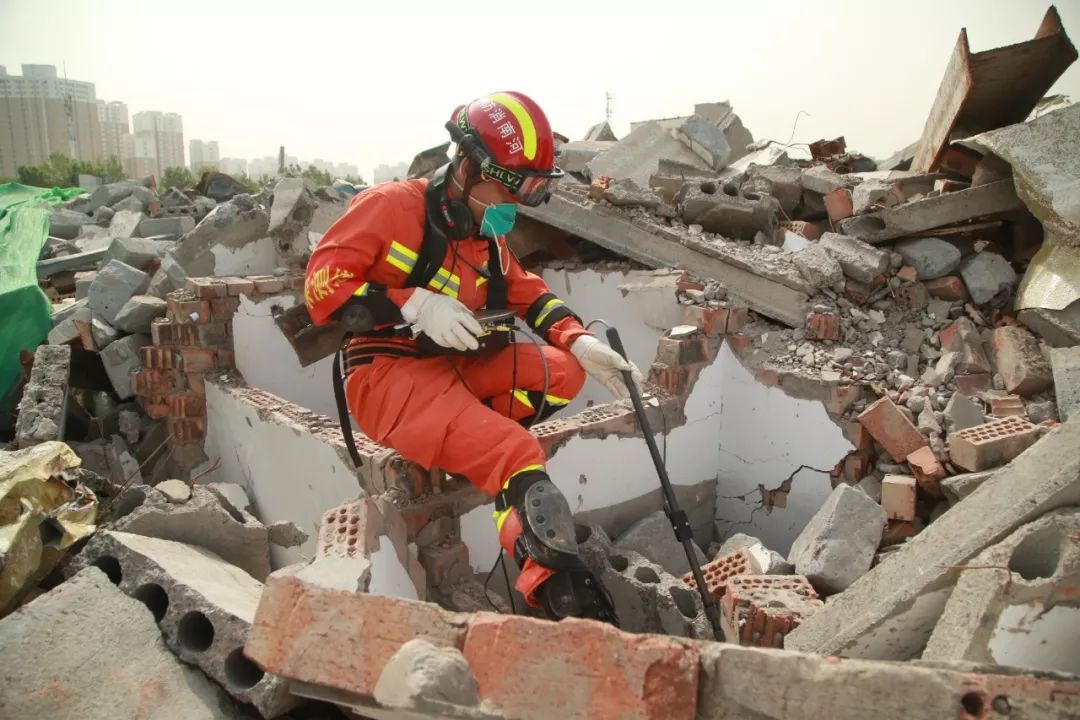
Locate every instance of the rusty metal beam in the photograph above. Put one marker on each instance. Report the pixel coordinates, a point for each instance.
(987, 90)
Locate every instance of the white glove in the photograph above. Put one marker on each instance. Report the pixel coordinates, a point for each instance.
(605, 365)
(443, 319)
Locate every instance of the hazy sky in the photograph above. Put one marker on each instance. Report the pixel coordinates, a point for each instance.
(350, 82)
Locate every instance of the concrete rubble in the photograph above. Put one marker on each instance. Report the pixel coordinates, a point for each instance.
(866, 374)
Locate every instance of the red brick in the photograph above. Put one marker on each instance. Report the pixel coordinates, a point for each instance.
(960, 160)
(295, 282)
(898, 494)
(857, 292)
(197, 360)
(908, 274)
(927, 470)
(206, 288)
(854, 467)
(738, 343)
(187, 406)
(341, 639)
(157, 406)
(197, 383)
(711, 321)
(445, 563)
(1019, 361)
(738, 317)
(759, 610)
(767, 376)
(838, 204)
(267, 284)
(224, 308)
(949, 287)
(992, 444)
(676, 352)
(213, 335)
(188, 429)
(156, 358)
(675, 381)
(162, 332)
(973, 384)
(350, 530)
(152, 382)
(823, 326)
(538, 670)
(1008, 406)
(226, 359)
(892, 429)
(720, 570)
(598, 186)
(186, 311)
(239, 286)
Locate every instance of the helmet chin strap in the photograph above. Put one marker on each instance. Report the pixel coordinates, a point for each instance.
(466, 191)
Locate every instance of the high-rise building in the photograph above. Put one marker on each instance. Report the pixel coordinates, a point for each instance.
(203, 155)
(159, 143)
(41, 114)
(113, 117)
(385, 173)
(233, 166)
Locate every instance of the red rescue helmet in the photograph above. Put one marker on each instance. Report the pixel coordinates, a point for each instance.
(508, 139)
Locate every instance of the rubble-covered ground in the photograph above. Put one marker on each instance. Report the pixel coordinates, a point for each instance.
(929, 302)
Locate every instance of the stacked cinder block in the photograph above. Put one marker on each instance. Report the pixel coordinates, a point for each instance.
(193, 339)
(760, 610)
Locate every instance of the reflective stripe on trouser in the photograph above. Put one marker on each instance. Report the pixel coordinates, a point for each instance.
(490, 378)
(422, 409)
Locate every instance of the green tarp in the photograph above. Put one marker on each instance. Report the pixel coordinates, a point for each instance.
(24, 309)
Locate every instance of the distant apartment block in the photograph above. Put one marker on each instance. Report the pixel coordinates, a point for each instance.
(233, 166)
(385, 173)
(203, 155)
(115, 130)
(41, 114)
(158, 143)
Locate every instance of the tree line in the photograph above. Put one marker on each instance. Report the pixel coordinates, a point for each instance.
(62, 171)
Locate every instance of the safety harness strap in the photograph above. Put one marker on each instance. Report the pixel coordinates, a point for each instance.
(343, 411)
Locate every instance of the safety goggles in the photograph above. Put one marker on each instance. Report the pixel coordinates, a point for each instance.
(529, 187)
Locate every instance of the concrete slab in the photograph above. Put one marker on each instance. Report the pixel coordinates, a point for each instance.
(637, 156)
(203, 606)
(890, 612)
(1023, 612)
(43, 407)
(653, 538)
(85, 650)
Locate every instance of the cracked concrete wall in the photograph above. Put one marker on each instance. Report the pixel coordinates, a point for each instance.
(289, 473)
(764, 435)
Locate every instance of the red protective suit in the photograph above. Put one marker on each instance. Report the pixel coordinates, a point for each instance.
(459, 413)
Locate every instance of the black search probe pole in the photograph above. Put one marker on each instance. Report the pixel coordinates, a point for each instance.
(680, 523)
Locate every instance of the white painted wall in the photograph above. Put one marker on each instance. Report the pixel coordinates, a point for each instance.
(763, 435)
(253, 258)
(1030, 636)
(267, 361)
(388, 575)
(287, 473)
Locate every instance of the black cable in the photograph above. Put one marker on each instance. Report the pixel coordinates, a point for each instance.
(506, 577)
(501, 560)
